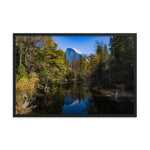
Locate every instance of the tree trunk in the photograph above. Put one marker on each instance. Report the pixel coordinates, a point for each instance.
(26, 62)
(20, 56)
(45, 85)
(97, 80)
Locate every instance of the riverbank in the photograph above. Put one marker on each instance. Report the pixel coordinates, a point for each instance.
(113, 94)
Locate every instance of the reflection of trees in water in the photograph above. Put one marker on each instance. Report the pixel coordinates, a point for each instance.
(79, 91)
(106, 106)
(52, 101)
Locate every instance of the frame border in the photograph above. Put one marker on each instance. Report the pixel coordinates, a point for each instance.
(71, 115)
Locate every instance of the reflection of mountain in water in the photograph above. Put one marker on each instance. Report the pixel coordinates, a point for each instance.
(69, 100)
(75, 106)
(75, 102)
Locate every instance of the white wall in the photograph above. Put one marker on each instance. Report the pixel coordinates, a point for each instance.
(107, 16)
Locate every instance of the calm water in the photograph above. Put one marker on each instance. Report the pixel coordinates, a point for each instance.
(78, 99)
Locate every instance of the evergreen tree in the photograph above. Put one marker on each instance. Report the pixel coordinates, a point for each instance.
(122, 60)
(81, 68)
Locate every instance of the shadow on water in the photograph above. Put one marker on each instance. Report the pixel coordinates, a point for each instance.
(78, 99)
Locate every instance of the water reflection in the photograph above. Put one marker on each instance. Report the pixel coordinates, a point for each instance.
(78, 99)
(77, 105)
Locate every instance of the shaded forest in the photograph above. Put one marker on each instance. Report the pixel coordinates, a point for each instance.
(40, 65)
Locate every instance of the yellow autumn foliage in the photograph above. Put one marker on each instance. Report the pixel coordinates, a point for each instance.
(25, 90)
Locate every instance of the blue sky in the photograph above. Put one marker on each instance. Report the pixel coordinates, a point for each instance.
(85, 44)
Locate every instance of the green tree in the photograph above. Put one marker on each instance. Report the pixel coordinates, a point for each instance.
(73, 74)
(92, 68)
(122, 60)
(76, 66)
(81, 68)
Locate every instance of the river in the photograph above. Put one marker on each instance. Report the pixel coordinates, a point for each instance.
(78, 99)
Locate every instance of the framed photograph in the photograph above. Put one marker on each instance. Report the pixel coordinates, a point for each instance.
(74, 75)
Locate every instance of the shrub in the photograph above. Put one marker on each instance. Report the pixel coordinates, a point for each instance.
(25, 90)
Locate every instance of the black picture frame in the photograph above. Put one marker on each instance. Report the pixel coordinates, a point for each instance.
(74, 34)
